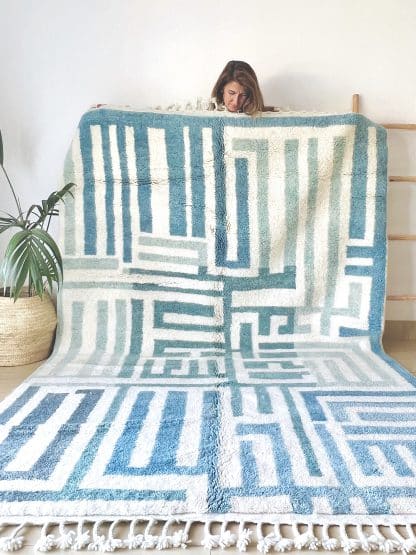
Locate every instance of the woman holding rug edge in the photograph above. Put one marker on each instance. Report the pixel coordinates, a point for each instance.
(237, 90)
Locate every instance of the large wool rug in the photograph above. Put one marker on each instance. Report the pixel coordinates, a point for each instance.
(219, 357)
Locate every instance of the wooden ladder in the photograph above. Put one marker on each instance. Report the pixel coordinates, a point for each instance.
(394, 179)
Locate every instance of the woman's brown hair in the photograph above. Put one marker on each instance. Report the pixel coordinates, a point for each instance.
(244, 74)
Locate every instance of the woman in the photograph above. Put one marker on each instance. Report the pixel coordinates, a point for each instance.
(237, 90)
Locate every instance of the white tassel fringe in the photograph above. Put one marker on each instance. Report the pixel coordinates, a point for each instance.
(102, 536)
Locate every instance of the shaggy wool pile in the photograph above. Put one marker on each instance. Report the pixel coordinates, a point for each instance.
(218, 357)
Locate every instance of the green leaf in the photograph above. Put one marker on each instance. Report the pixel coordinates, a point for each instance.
(21, 275)
(11, 221)
(48, 240)
(32, 209)
(57, 196)
(47, 270)
(13, 268)
(10, 218)
(47, 208)
(32, 254)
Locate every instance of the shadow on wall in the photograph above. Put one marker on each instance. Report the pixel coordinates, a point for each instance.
(304, 91)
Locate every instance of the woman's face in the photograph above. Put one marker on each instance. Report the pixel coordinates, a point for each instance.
(235, 96)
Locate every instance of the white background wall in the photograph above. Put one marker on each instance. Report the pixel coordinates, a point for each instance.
(58, 57)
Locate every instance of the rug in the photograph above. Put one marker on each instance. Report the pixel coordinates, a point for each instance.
(218, 357)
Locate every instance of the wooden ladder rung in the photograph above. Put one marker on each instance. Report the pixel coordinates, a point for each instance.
(404, 126)
(401, 297)
(401, 237)
(403, 178)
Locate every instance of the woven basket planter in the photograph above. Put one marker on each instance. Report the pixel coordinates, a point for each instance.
(27, 329)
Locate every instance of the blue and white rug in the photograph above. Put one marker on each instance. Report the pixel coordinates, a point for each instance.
(218, 358)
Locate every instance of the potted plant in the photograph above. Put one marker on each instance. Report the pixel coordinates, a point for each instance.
(32, 264)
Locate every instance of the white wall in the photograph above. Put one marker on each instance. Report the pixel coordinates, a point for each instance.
(57, 57)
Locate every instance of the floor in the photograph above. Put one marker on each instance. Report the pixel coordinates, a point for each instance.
(402, 351)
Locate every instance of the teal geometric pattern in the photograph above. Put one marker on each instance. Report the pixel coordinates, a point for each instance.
(219, 343)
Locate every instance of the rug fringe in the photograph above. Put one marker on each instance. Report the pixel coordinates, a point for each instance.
(101, 536)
